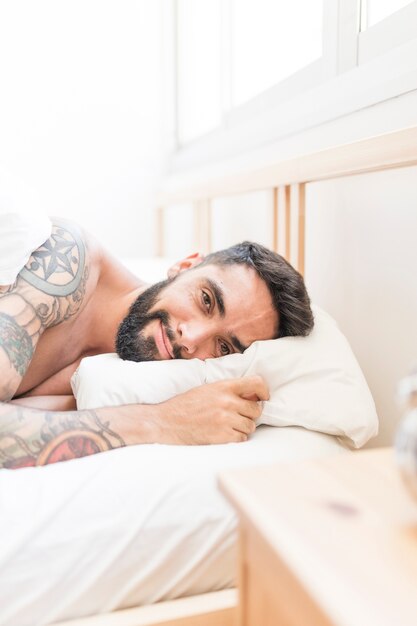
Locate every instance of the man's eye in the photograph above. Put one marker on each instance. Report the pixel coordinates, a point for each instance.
(224, 348)
(206, 300)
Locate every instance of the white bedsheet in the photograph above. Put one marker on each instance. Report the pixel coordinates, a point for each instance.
(128, 527)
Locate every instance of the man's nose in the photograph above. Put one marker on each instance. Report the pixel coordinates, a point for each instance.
(195, 339)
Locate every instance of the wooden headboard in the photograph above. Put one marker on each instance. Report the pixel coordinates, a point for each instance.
(287, 179)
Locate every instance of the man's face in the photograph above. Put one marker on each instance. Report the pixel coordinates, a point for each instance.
(206, 312)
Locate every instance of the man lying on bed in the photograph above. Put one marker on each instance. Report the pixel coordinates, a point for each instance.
(72, 299)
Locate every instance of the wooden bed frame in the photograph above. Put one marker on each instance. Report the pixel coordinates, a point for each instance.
(288, 180)
(209, 609)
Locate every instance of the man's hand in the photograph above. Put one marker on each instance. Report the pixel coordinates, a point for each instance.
(219, 412)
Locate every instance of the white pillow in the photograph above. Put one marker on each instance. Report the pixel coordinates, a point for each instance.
(314, 381)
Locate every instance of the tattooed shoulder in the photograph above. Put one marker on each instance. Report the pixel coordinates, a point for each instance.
(59, 271)
(51, 288)
(58, 266)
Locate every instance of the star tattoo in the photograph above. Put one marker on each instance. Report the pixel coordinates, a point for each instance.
(55, 255)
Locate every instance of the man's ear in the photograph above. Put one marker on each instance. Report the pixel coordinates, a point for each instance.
(185, 264)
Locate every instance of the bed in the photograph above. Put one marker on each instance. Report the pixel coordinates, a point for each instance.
(96, 598)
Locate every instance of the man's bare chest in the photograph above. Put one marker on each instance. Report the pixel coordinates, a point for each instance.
(57, 355)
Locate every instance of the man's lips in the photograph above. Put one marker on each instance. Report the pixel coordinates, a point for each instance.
(166, 342)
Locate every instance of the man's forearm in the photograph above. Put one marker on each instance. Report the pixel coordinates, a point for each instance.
(30, 437)
(219, 412)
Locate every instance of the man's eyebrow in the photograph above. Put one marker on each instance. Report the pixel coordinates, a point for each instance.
(218, 295)
(237, 344)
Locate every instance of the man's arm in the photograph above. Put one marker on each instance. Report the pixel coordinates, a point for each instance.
(20, 329)
(215, 413)
(30, 437)
(50, 289)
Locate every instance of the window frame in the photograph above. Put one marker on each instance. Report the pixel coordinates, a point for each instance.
(394, 31)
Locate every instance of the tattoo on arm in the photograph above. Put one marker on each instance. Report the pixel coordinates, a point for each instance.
(20, 329)
(30, 437)
(16, 342)
(50, 289)
(58, 269)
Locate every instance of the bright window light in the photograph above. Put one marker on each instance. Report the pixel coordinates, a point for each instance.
(270, 41)
(374, 11)
(199, 67)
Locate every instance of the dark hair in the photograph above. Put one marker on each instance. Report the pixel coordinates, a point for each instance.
(286, 285)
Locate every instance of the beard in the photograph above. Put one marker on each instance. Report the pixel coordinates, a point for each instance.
(131, 342)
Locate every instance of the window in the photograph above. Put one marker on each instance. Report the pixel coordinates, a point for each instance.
(373, 11)
(250, 72)
(229, 51)
(198, 67)
(270, 41)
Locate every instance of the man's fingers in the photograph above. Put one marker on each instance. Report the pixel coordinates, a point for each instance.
(250, 396)
(238, 437)
(250, 386)
(245, 425)
(249, 408)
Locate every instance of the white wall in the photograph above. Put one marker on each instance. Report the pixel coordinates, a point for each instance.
(80, 110)
(233, 219)
(179, 232)
(361, 266)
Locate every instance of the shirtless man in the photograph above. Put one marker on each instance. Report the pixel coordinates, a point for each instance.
(72, 299)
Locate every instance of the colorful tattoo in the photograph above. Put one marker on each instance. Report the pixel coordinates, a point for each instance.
(31, 438)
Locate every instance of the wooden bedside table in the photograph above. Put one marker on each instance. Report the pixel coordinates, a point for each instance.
(326, 542)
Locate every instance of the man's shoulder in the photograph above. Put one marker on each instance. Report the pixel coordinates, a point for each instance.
(53, 287)
(58, 265)
(59, 275)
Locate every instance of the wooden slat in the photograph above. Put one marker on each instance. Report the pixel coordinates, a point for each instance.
(208, 222)
(275, 225)
(281, 239)
(301, 227)
(209, 609)
(288, 222)
(294, 212)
